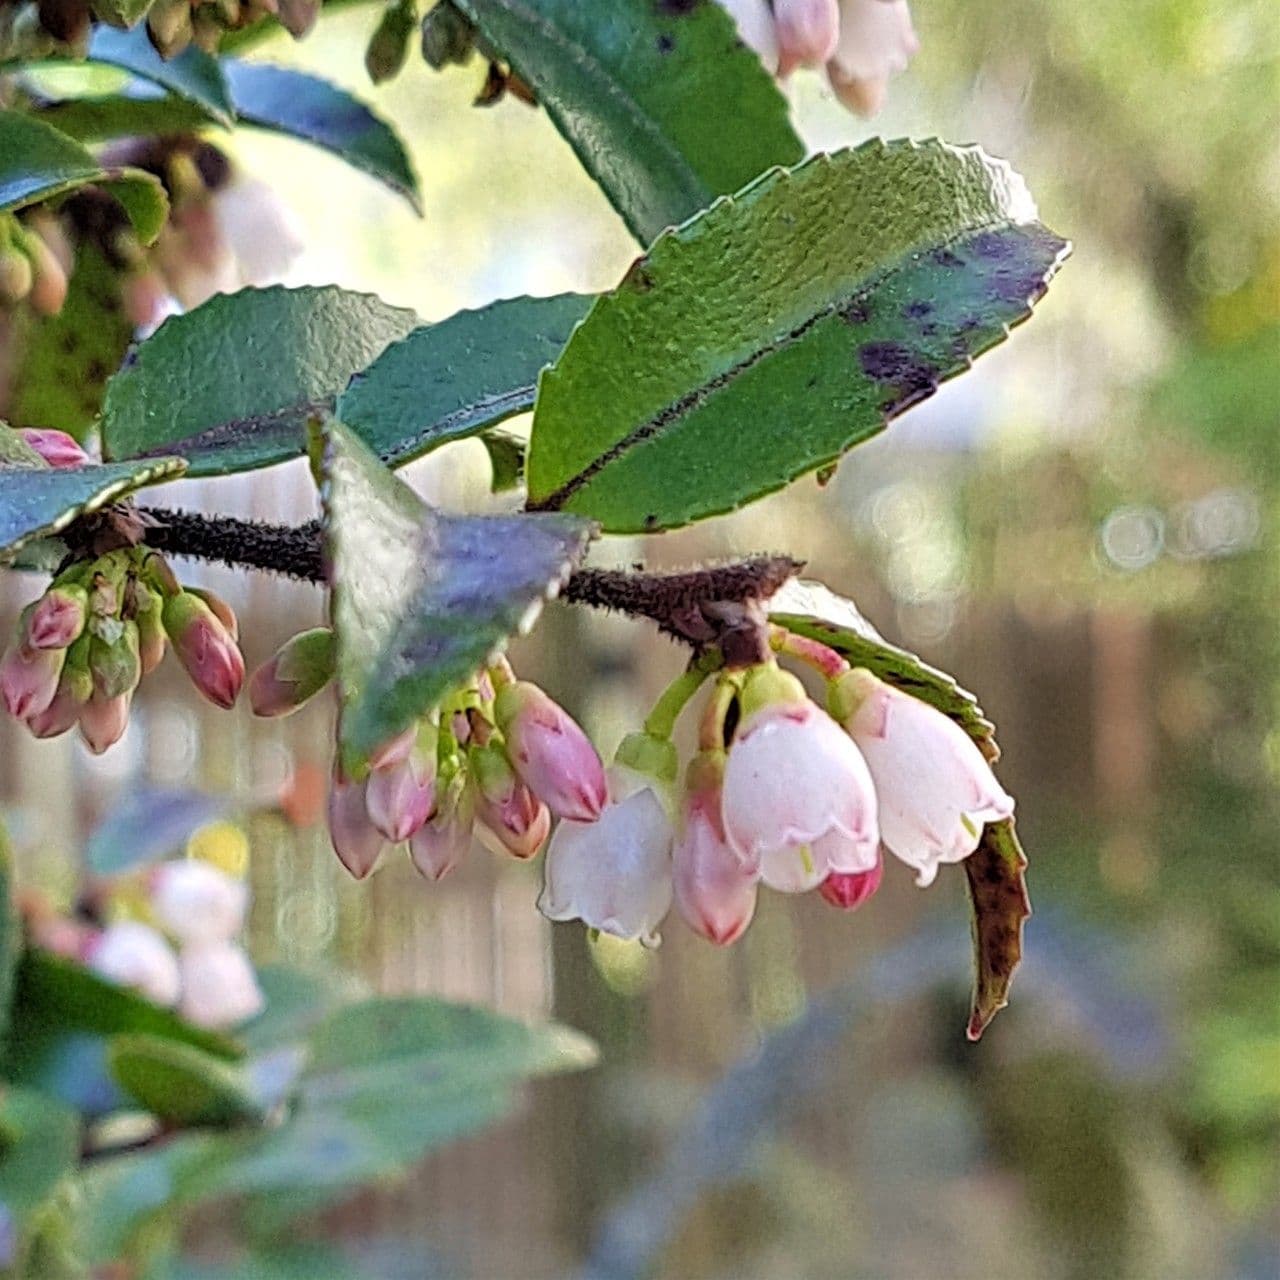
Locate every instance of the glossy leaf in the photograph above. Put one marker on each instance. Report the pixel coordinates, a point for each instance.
(664, 105)
(37, 500)
(181, 1085)
(420, 600)
(148, 824)
(450, 380)
(995, 871)
(254, 366)
(66, 359)
(37, 163)
(826, 301)
(192, 75)
(304, 106)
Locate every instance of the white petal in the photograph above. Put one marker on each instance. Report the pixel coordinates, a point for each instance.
(219, 986)
(135, 955)
(614, 874)
(876, 39)
(196, 902)
(756, 28)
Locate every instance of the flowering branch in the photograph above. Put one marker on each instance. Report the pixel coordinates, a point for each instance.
(717, 605)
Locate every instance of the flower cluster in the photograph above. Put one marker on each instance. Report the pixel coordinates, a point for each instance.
(178, 948)
(860, 43)
(498, 760)
(82, 648)
(780, 793)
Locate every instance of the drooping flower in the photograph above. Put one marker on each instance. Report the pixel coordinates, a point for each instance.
(219, 986)
(936, 791)
(446, 838)
(58, 617)
(550, 753)
(135, 955)
(614, 874)
(511, 817)
(205, 648)
(849, 890)
(356, 841)
(400, 796)
(714, 892)
(197, 903)
(798, 803)
(103, 721)
(876, 41)
(807, 32)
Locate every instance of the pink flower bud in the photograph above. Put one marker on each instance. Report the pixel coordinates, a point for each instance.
(29, 679)
(807, 32)
(400, 797)
(849, 890)
(356, 841)
(220, 609)
(613, 874)
(438, 846)
(394, 749)
(196, 902)
(714, 892)
(294, 674)
(56, 447)
(61, 715)
(512, 818)
(58, 618)
(135, 955)
(205, 648)
(797, 802)
(551, 754)
(103, 721)
(219, 986)
(876, 41)
(936, 791)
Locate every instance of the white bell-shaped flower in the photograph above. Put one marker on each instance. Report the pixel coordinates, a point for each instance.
(219, 986)
(936, 791)
(614, 874)
(135, 955)
(876, 41)
(196, 902)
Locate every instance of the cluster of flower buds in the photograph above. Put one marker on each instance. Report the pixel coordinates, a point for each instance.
(101, 625)
(174, 24)
(860, 43)
(35, 261)
(498, 760)
(781, 793)
(177, 946)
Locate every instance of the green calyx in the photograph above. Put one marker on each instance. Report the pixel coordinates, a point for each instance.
(767, 684)
(649, 754)
(848, 692)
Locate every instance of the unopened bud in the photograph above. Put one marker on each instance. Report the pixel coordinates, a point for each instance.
(298, 16)
(29, 679)
(116, 665)
(390, 42)
(296, 673)
(445, 840)
(356, 841)
(16, 276)
(169, 26)
(850, 890)
(58, 618)
(400, 797)
(75, 687)
(56, 447)
(205, 648)
(447, 36)
(220, 609)
(103, 721)
(550, 753)
(515, 819)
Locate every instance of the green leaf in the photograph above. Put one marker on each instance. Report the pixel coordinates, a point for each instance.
(388, 1080)
(996, 869)
(58, 1003)
(304, 106)
(254, 366)
(66, 359)
(812, 610)
(37, 163)
(421, 600)
(147, 824)
(181, 1085)
(192, 75)
(996, 873)
(825, 300)
(506, 458)
(122, 115)
(39, 500)
(450, 380)
(664, 105)
(39, 1148)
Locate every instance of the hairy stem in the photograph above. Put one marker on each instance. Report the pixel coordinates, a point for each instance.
(718, 605)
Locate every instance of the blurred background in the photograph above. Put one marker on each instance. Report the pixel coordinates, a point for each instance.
(1083, 530)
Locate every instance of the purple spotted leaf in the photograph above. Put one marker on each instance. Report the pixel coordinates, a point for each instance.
(420, 600)
(827, 300)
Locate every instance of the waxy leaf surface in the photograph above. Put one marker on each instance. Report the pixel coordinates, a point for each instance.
(192, 75)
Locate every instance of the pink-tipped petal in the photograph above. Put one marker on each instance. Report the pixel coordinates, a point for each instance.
(56, 447)
(849, 890)
(356, 841)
